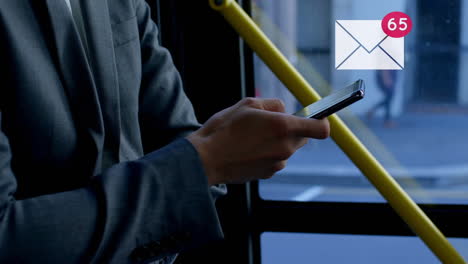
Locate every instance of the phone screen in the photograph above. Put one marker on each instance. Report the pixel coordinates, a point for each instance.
(334, 102)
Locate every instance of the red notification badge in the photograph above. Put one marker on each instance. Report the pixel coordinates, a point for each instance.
(397, 24)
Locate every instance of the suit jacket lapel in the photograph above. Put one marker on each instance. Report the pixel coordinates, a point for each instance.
(77, 77)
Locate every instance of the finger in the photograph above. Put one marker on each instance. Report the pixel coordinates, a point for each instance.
(279, 165)
(274, 105)
(309, 127)
(299, 142)
(272, 168)
(249, 102)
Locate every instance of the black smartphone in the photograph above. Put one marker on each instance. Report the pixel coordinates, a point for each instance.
(334, 102)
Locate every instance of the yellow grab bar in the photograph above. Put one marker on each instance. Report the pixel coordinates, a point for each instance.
(400, 201)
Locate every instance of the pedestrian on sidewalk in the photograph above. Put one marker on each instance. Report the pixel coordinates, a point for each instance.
(386, 81)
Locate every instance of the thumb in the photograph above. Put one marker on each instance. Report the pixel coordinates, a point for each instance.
(309, 127)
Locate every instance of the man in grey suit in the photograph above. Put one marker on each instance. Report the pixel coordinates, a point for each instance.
(101, 157)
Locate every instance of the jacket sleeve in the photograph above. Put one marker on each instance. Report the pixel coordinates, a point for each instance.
(133, 211)
(165, 110)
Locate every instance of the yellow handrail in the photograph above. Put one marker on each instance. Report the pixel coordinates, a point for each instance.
(400, 201)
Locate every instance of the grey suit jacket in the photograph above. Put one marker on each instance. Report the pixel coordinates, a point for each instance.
(88, 173)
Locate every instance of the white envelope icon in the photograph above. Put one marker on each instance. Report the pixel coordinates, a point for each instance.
(362, 45)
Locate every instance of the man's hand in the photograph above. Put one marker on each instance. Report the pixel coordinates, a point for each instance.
(252, 140)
